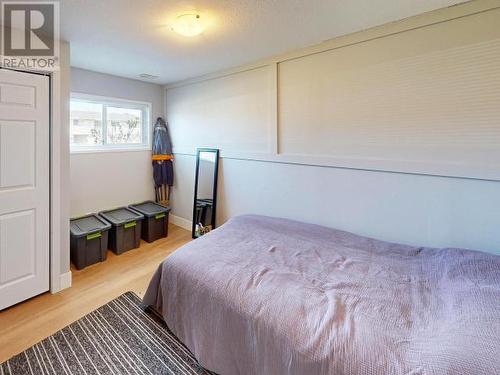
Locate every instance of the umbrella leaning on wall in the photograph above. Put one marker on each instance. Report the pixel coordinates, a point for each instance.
(163, 171)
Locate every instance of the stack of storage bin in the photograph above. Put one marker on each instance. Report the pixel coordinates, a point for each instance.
(119, 229)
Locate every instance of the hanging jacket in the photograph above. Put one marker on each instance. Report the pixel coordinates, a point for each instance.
(163, 171)
(162, 145)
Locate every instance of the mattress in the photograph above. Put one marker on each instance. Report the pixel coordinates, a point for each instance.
(263, 295)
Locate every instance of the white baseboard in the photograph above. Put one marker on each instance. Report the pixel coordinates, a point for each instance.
(64, 282)
(181, 222)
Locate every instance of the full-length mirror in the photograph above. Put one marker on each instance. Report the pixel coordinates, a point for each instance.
(205, 191)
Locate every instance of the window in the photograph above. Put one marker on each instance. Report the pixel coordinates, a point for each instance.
(99, 124)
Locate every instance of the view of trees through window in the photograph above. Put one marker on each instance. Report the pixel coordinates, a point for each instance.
(124, 125)
(99, 124)
(86, 123)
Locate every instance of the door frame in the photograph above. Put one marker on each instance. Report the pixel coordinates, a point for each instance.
(58, 201)
(57, 280)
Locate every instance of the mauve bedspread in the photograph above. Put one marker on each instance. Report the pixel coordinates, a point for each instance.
(271, 296)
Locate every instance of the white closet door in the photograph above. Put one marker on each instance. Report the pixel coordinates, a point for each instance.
(24, 186)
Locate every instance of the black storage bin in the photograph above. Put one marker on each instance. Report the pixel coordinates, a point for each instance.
(125, 233)
(155, 224)
(89, 240)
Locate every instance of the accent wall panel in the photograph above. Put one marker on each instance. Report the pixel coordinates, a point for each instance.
(234, 113)
(425, 101)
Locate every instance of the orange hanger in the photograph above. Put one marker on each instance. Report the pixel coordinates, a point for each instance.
(162, 157)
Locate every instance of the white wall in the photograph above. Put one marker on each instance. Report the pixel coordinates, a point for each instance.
(398, 207)
(109, 179)
(291, 166)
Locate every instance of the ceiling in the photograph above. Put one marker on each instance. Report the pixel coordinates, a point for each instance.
(131, 37)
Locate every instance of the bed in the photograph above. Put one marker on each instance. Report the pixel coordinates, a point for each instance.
(263, 295)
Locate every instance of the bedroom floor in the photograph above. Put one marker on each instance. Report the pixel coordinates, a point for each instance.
(29, 322)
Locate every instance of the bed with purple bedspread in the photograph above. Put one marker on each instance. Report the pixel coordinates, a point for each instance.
(269, 296)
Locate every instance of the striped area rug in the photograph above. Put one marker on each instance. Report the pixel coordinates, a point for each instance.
(117, 338)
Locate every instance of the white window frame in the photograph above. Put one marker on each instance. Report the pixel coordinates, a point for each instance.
(147, 124)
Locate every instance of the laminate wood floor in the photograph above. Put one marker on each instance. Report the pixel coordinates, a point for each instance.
(26, 323)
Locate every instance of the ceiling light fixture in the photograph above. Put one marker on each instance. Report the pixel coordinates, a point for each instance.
(188, 25)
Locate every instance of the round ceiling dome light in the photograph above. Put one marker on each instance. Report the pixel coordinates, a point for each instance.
(188, 25)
